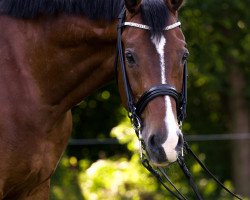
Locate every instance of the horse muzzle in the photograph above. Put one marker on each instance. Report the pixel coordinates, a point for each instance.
(163, 149)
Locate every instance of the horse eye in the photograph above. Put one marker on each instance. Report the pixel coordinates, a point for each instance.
(185, 57)
(130, 58)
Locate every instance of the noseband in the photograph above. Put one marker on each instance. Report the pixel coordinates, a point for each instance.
(135, 110)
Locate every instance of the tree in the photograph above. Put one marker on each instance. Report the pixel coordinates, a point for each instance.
(219, 36)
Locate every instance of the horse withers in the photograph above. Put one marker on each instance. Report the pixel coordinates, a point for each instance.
(55, 53)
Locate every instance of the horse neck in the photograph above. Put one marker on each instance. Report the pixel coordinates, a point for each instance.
(66, 57)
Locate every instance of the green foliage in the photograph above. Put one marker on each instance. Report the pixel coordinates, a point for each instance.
(124, 178)
(94, 118)
(218, 40)
(115, 179)
(65, 181)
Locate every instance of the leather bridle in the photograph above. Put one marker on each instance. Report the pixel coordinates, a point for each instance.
(135, 110)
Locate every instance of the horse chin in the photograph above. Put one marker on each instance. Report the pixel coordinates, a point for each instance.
(163, 161)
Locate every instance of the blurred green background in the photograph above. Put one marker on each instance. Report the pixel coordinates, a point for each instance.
(218, 37)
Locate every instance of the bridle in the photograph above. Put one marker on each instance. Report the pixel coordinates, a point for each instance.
(135, 110)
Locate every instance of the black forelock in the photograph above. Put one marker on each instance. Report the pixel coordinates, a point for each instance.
(155, 14)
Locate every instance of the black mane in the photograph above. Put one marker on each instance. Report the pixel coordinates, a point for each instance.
(154, 12)
(95, 9)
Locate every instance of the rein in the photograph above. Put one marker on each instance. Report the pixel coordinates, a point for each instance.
(135, 110)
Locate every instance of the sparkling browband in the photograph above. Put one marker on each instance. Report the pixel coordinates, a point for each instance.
(142, 26)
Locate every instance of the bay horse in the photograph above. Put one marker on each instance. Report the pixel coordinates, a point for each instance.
(54, 53)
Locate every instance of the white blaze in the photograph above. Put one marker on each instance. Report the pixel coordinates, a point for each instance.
(170, 122)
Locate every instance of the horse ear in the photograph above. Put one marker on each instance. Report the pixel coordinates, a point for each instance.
(132, 5)
(174, 5)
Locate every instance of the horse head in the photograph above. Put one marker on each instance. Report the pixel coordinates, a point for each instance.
(154, 57)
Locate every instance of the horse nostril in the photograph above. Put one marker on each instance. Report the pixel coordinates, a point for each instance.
(152, 141)
(155, 147)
